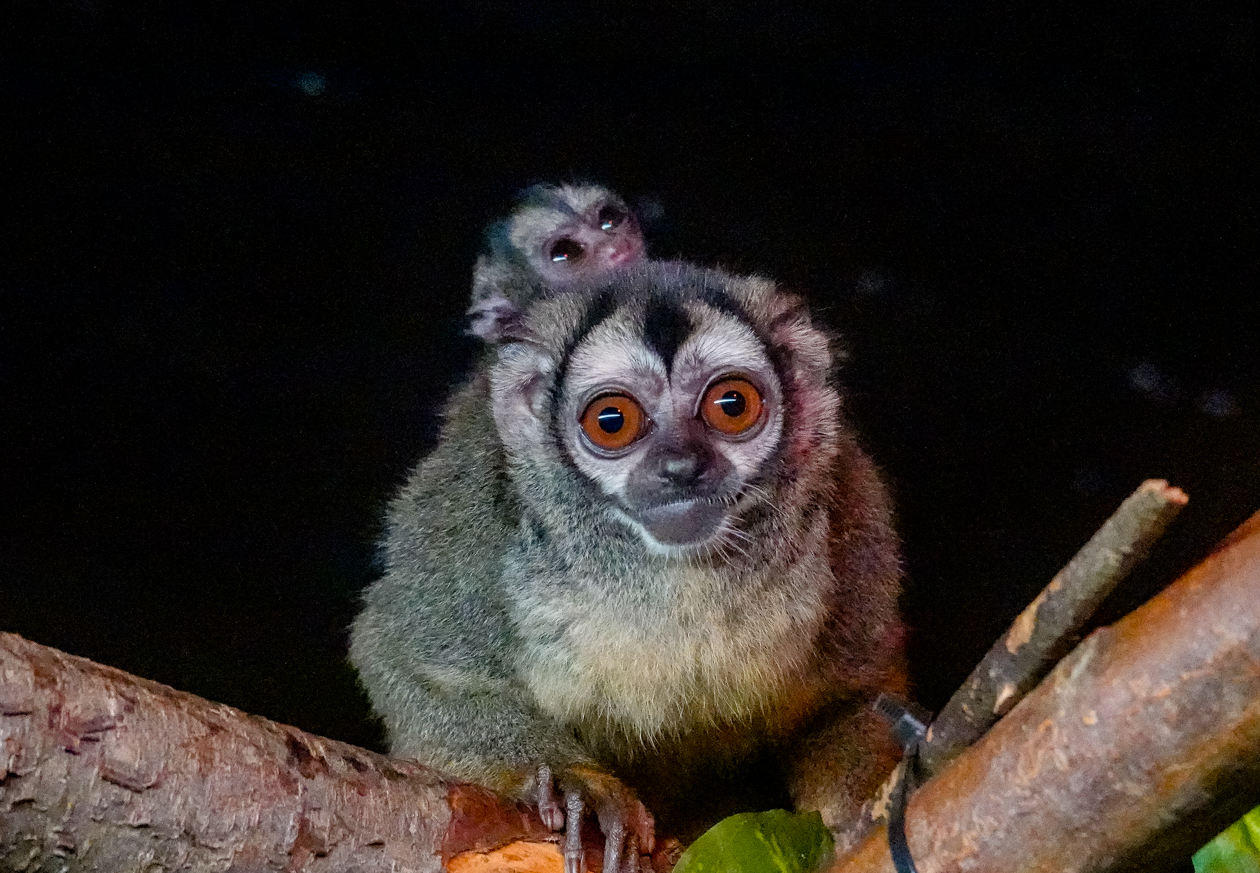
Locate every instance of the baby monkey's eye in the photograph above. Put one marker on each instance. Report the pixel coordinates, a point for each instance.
(614, 421)
(611, 217)
(731, 406)
(565, 249)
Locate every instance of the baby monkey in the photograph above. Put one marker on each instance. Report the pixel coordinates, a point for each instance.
(557, 238)
(647, 563)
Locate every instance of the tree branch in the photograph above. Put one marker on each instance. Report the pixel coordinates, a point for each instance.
(1043, 633)
(101, 770)
(1138, 748)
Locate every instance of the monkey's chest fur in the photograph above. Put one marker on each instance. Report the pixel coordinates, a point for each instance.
(674, 653)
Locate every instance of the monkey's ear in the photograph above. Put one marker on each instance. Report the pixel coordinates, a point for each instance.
(519, 383)
(810, 351)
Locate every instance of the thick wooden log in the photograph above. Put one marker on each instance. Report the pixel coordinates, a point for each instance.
(1139, 747)
(103, 771)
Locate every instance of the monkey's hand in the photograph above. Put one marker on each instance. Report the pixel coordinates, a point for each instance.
(627, 825)
(494, 319)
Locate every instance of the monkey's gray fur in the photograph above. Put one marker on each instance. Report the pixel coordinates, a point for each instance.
(691, 613)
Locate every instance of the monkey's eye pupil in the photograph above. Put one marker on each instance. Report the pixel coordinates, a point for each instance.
(610, 217)
(565, 250)
(732, 403)
(611, 419)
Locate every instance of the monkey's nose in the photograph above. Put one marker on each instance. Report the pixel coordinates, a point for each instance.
(680, 468)
(619, 255)
(624, 251)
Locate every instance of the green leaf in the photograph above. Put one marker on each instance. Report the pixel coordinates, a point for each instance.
(777, 841)
(1235, 850)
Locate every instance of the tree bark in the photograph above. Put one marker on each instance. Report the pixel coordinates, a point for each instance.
(1138, 748)
(101, 770)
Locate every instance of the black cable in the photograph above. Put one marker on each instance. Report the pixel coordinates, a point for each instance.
(910, 727)
(898, 847)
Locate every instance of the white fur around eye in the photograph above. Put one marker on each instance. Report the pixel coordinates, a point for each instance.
(725, 345)
(610, 359)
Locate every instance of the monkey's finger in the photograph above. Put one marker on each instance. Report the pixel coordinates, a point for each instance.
(574, 861)
(549, 809)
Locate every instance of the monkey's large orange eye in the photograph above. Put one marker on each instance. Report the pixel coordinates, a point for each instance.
(563, 250)
(614, 421)
(731, 406)
(610, 217)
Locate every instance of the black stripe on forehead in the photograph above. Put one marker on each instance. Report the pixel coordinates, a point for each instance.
(718, 299)
(601, 306)
(666, 326)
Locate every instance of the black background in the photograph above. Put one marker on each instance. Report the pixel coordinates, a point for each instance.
(239, 238)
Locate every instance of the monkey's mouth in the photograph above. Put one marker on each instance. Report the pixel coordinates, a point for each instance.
(684, 522)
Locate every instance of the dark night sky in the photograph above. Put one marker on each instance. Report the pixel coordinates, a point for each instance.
(239, 239)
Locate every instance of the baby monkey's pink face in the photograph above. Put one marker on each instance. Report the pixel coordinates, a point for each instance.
(588, 234)
(561, 237)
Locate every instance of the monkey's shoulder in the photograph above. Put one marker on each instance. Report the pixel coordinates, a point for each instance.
(457, 508)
